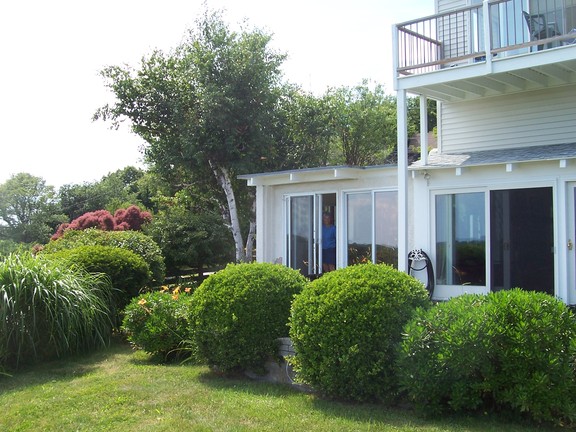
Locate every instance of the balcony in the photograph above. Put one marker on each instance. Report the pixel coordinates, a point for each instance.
(459, 55)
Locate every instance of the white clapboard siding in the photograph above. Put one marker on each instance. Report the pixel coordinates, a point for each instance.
(454, 29)
(449, 5)
(525, 119)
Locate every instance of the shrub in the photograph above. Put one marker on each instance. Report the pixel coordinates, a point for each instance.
(158, 322)
(49, 310)
(134, 241)
(240, 311)
(131, 218)
(127, 271)
(345, 327)
(511, 351)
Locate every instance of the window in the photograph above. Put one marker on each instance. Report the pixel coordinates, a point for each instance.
(386, 227)
(372, 227)
(521, 241)
(461, 239)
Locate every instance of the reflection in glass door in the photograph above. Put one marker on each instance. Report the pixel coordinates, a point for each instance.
(301, 230)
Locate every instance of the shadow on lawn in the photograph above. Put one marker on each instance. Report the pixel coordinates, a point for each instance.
(371, 413)
(65, 369)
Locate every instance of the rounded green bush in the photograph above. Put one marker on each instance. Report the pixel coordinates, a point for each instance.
(345, 327)
(50, 309)
(127, 271)
(158, 323)
(511, 351)
(134, 241)
(240, 311)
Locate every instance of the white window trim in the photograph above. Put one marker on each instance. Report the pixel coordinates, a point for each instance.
(445, 292)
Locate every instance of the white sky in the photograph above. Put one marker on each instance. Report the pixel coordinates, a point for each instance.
(52, 51)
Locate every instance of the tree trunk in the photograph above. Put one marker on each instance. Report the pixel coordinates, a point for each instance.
(223, 179)
(251, 232)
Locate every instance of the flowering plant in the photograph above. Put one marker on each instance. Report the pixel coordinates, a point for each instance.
(158, 322)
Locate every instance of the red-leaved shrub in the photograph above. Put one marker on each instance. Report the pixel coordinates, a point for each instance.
(131, 218)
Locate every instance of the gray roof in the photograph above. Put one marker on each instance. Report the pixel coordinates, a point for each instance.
(492, 157)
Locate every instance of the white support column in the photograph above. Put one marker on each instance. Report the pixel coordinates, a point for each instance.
(424, 130)
(402, 151)
(261, 201)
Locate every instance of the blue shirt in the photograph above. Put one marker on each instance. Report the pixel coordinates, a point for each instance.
(328, 237)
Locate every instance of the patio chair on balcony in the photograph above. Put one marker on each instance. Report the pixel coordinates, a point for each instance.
(540, 29)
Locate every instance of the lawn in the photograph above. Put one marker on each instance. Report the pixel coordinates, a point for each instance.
(121, 390)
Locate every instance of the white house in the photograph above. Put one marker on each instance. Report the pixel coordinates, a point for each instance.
(494, 205)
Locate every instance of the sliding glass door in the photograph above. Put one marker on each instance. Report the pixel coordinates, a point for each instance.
(304, 230)
(519, 250)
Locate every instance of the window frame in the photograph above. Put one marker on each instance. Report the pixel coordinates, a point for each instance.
(345, 219)
(443, 291)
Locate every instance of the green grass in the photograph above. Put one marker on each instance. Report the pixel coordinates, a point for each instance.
(121, 390)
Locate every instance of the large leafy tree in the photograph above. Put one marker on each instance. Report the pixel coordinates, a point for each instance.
(304, 131)
(190, 232)
(364, 122)
(118, 189)
(29, 211)
(208, 108)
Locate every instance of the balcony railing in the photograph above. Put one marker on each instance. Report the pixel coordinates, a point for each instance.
(463, 36)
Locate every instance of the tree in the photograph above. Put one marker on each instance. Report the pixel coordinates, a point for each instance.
(118, 189)
(364, 122)
(208, 107)
(304, 132)
(190, 232)
(28, 209)
(414, 115)
(77, 199)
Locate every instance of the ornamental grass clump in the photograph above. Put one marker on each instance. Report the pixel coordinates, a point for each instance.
(158, 323)
(49, 310)
(345, 327)
(511, 351)
(240, 311)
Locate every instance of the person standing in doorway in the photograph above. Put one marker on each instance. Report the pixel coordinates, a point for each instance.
(328, 243)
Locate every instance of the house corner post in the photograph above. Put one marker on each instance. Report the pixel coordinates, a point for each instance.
(402, 162)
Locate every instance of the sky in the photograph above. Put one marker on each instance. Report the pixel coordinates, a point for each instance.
(53, 51)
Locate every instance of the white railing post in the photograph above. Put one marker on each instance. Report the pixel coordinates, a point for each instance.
(487, 32)
(395, 54)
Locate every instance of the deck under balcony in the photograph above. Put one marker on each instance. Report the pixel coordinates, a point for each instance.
(460, 55)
